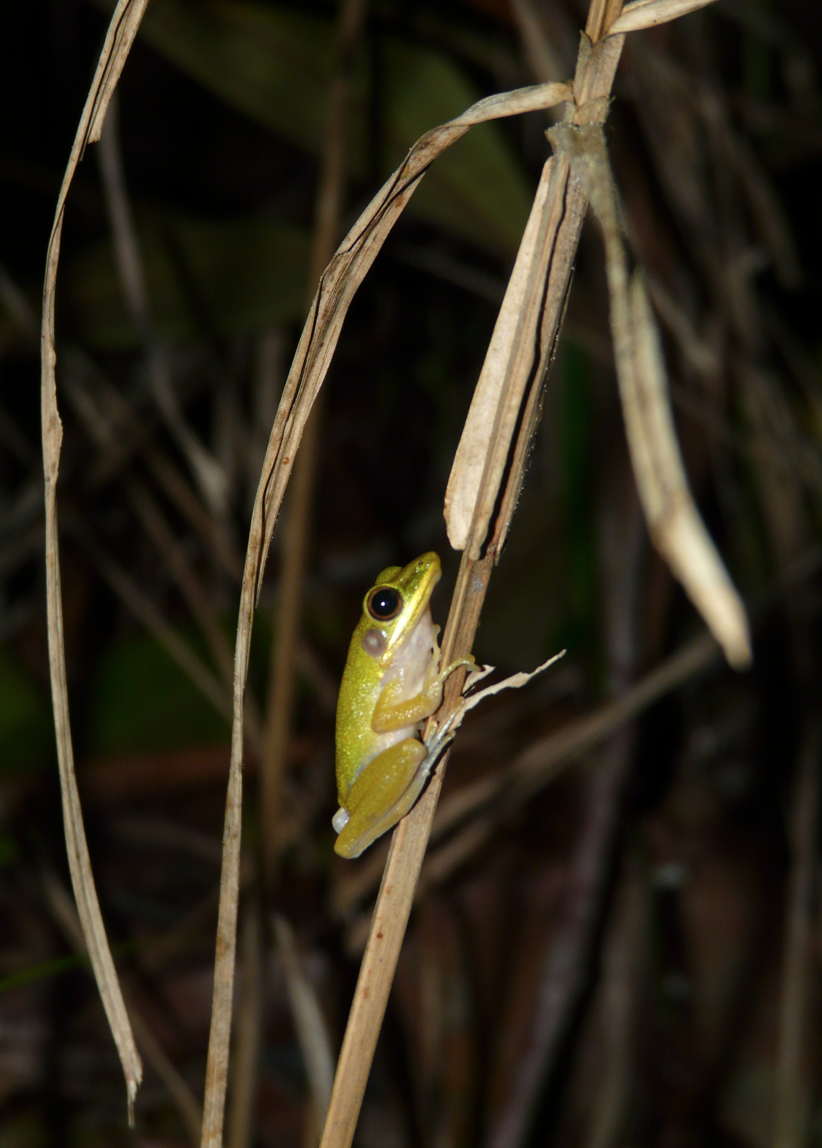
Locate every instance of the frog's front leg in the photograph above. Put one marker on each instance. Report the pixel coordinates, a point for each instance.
(390, 713)
(382, 793)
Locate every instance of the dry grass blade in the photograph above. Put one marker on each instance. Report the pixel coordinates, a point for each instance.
(648, 13)
(309, 1022)
(336, 290)
(507, 396)
(118, 41)
(244, 1067)
(673, 521)
(675, 524)
(485, 444)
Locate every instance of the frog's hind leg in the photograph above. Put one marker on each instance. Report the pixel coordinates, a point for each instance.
(382, 794)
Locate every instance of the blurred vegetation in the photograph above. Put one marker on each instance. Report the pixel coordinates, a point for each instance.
(653, 894)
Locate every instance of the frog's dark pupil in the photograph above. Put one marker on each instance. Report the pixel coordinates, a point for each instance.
(384, 603)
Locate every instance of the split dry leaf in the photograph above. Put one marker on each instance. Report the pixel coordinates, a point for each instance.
(674, 523)
(485, 443)
(117, 44)
(472, 697)
(648, 13)
(519, 354)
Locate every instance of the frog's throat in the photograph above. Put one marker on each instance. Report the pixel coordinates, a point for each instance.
(422, 599)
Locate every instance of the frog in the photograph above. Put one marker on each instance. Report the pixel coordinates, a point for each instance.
(391, 683)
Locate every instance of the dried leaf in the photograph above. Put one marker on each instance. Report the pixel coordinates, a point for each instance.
(485, 443)
(118, 41)
(673, 521)
(648, 13)
(470, 699)
(676, 527)
(343, 276)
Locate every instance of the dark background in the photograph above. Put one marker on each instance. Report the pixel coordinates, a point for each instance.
(654, 891)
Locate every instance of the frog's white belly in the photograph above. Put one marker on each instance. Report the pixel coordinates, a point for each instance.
(412, 667)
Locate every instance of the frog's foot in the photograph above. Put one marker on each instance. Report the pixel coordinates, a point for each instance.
(387, 789)
(383, 793)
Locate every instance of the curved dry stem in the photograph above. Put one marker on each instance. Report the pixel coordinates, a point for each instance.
(119, 38)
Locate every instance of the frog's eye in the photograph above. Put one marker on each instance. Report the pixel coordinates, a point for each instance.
(384, 603)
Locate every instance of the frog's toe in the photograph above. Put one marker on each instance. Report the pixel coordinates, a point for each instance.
(340, 819)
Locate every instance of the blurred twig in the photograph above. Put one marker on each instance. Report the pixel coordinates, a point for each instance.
(567, 954)
(309, 1023)
(622, 973)
(204, 466)
(103, 413)
(141, 605)
(791, 1114)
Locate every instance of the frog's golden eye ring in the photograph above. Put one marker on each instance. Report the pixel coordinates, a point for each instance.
(384, 603)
